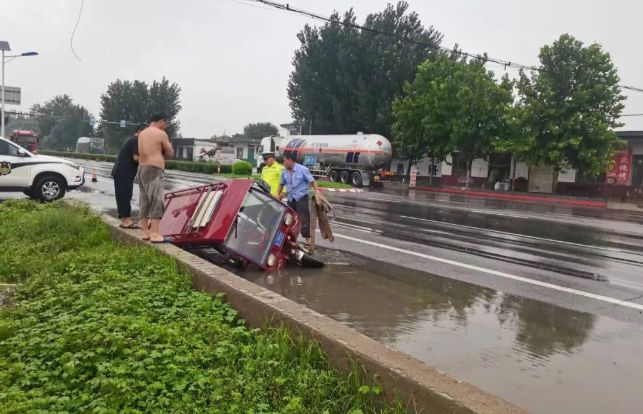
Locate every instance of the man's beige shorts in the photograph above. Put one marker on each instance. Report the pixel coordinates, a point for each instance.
(151, 199)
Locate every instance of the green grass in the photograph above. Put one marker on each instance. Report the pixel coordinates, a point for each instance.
(330, 184)
(97, 326)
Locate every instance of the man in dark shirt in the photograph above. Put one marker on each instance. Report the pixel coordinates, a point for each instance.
(124, 172)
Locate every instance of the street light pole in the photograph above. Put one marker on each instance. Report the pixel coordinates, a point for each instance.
(2, 121)
(4, 46)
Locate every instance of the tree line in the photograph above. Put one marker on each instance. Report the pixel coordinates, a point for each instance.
(60, 122)
(434, 103)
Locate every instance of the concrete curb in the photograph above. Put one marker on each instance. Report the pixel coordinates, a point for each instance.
(419, 387)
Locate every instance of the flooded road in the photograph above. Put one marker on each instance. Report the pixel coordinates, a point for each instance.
(541, 305)
(546, 358)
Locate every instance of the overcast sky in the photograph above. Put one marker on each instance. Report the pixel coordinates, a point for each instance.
(232, 60)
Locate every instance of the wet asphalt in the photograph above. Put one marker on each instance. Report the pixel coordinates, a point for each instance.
(539, 304)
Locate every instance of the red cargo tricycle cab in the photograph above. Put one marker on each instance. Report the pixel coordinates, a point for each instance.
(239, 219)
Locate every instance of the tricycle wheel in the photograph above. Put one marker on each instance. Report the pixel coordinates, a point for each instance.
(309, 261)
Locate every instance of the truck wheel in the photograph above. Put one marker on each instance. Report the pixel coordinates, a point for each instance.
(356, 179)
(333, 175)
(49, 188)
(344, 177)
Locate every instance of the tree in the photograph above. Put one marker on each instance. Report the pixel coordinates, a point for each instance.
(49, 112)
(452, 105)
(419, 128)
(134, 102)
(73, 125)
(572, 105)
(345, 79)
(388, 62)
(165, 97)
(61, 122)
(259, 130)
(322, 87)
(22, 124)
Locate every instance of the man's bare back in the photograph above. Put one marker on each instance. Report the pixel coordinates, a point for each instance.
(154, 147)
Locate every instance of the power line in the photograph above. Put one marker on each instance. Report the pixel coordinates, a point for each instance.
(505, 63)
(73, 33)
(98, 121)
(632, 115)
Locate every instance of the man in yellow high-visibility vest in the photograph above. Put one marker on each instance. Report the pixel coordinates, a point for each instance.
(271, 172)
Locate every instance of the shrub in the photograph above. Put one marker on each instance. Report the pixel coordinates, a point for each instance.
(242, 168)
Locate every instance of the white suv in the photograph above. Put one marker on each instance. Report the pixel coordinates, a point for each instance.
(40, 177)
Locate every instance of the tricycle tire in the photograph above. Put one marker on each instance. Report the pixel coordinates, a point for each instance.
(309, 261)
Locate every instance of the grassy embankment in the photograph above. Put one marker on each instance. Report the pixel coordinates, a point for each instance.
(97, 326)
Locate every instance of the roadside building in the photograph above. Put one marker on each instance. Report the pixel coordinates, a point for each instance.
(242, 147)
(190, 149)
(625, 182)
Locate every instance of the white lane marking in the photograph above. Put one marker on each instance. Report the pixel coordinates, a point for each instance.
(495, 213)
(500, 274)
(519, 235)
(358, 228)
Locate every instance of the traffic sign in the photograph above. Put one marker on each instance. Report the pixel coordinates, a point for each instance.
(123, 123)
(12, 95)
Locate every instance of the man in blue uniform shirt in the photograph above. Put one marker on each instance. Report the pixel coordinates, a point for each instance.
(297, 179)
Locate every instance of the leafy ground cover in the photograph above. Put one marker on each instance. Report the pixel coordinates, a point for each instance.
(97, 326)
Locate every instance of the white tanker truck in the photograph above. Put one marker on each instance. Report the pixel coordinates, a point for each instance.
(351, 159)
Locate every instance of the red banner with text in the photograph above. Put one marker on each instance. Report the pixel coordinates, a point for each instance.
(620, 172)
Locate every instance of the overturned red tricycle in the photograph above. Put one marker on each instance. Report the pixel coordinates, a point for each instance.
(238, 219)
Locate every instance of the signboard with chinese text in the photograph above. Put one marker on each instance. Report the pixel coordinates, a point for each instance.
(620, 172)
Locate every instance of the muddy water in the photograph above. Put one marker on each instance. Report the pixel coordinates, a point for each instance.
(545, 358)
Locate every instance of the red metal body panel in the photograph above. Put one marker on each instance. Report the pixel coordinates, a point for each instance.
(184, 209)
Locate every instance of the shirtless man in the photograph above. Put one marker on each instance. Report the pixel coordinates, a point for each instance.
(153, 148)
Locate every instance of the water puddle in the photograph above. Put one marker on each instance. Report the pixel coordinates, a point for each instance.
(539, 356)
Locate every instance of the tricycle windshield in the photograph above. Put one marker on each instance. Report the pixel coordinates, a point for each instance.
(256, 225)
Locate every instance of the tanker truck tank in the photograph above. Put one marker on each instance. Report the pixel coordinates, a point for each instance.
(348, 158)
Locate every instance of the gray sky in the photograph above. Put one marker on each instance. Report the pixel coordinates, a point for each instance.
(233, 60)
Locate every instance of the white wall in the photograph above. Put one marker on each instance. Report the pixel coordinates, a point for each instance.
(479, 168)
(396, 161)
(447, 169)
(567, 176)
(202, 145)
(424, 166)
(245, 151)
(522, 169)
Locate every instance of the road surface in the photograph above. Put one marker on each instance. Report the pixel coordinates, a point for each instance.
(541, 305)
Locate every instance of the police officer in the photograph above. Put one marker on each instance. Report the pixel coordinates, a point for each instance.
(271, 172)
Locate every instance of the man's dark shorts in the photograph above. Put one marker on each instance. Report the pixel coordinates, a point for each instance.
(302, 208)
(151, 198)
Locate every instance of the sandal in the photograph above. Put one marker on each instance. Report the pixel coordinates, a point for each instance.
(133, 226)
(163, 240)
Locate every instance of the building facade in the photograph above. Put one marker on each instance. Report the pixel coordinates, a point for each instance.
(624, 182)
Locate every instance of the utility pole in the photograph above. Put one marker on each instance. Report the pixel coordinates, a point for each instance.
(4, 47)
